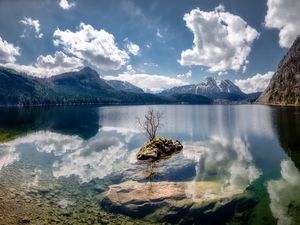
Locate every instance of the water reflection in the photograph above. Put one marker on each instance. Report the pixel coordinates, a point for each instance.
(8, 155)
(226, 149)
(96, 158)
(287, 124)
(197, 122)
(226, 161)
(284, 195)
(284, 192)
(80, 121)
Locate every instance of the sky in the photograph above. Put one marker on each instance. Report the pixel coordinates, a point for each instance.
(154, 44)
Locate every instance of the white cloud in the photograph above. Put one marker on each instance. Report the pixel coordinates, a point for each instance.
(257, 83)
(158, 34)
(284, 16)
(31, 24)
(150, 64)
(97, 47)
(8, 51)
(222, 41)
(186, 75)
(48, 65)
(64, 4)
(134, 49)
(59, 60)
(148, 82)
(130, 69)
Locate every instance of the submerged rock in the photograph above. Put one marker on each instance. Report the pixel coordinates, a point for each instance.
(158, 148)
(172, 201)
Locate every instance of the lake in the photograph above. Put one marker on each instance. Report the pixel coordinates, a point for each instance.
(77, 165)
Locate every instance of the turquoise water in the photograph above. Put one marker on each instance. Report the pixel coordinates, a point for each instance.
(239, 165)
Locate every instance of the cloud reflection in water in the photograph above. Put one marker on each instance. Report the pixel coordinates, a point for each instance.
(228, 162)
(284, 195)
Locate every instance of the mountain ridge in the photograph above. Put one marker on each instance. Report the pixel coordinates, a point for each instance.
(221, 91)
(284, 87)
(124, 86)
(87, 87)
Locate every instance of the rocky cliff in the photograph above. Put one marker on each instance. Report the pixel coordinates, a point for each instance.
(284, 88)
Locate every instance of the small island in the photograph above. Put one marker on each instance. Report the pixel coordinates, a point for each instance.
(156, 148)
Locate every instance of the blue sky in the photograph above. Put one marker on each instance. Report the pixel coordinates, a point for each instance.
(154, 44)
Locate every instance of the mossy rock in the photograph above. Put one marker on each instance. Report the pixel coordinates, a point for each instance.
(158, 148)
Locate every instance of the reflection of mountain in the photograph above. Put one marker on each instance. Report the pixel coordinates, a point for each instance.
(192, 122)
(15, 122)
(287, 123)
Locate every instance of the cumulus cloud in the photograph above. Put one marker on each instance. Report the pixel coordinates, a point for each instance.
(222, 41)
(8, 51)
(64, 4)
(97, 47)
(284, 195)
(134, 49)
(284, 16)
(186, 75)
(257, 83)
(148, 82)
(48, 65)
(59, 60)
(130, 69)
(31, 24)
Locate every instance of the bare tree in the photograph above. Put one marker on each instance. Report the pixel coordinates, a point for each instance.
(150, 123)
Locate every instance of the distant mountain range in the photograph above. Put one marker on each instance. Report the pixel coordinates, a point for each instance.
(284, 88)
(215, 89)
(86, 87)
(82, 87)
(124, 86)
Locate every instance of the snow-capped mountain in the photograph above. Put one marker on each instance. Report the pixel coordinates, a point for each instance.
(210, 87)
(124, 86)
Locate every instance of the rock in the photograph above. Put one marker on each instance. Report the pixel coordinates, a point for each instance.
(12, 195)
(165, 200)
(99, 188)
(158, 148)
(25, 219)
(64, 203)
(284, 88)
(44, 190)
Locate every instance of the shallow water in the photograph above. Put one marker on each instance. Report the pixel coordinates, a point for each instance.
(239, 165)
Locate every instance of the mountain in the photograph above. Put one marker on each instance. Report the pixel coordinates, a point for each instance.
(211, 88)
(284, 87)
(191, 99)
(81, 87)
(86, 87)
(124, 86)
(19, 88)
